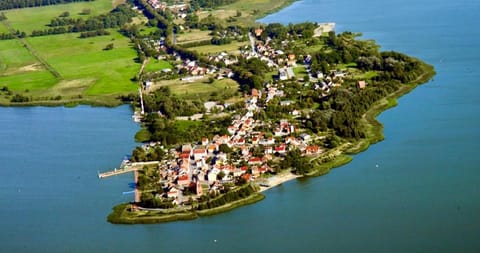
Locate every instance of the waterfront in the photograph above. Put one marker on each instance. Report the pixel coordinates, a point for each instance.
(422, 197)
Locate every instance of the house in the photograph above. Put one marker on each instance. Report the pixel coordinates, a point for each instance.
(290, 73)
(255, 161)
(183, 180)
(231, 129)
(186, 148)
(258, 32)
(282, 149)
(255, 140)
(204, 141)
(305, 137)
(268, 150)
(254, 92)
(212, 148)
(240, 141)
(199, 154)
(312, 150)
(282, 75)
(361, 84)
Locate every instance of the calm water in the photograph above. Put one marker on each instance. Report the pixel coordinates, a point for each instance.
(424, 196)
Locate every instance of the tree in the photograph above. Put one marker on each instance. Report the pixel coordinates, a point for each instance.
(109, 47)
(224, 148)
(65, 14)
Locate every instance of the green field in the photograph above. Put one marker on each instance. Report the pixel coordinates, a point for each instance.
(3, 28)
(156, 65)
(232, 48)
(201, 88)
(38, 18)
(86, 71)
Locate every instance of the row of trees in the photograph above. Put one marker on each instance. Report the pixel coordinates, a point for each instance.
(119, 16)
(89, 34)
(16, 4)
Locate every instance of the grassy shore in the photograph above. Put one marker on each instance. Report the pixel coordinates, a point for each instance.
(122, 214)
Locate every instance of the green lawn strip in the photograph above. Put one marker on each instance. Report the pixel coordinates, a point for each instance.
(29, 19)
(157, 65)
(232, 48)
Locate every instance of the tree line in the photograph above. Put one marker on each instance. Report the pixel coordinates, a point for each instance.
(17, 4)
(119, 16)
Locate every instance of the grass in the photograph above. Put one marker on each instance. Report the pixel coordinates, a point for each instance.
(202, 89)
(156, 65)
(183, 125)
(192, 36)
(29, 19)
(87, 72)
(3, 28)
(13, 56)
(84, 59)
(232, 48)
(251, 9)
(300, 71)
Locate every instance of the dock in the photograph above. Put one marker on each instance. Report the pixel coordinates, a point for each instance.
(125, 169)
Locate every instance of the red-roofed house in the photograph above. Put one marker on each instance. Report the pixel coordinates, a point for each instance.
(255, 161)
(282, 149)
(312, 150)
(204, 141)
(199, 154)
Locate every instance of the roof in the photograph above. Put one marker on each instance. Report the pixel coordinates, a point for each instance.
(199, 151)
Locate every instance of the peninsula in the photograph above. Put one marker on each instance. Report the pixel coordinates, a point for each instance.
(229, 107)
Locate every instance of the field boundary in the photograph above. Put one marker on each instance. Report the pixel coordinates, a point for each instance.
(33, 52)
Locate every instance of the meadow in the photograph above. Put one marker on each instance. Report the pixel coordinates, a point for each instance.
(86, 71)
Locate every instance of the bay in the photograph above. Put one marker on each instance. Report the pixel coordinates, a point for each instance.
(422, 197)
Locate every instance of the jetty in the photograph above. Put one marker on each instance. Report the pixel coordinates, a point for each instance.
(126, 168)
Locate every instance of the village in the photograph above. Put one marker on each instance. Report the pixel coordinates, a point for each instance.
(205, 166)
(278, 123)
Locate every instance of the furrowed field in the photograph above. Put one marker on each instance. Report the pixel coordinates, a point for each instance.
(65, 68)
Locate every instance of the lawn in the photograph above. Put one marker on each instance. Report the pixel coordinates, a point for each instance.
(192, 36)
(157, 65)
(29, 19)
(201, 88)
(232, 48)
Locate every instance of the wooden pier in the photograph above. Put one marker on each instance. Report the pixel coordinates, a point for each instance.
(125, 169)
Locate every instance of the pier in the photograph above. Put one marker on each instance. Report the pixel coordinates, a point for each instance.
(125, 169)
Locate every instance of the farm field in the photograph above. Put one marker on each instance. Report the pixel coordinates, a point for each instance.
(37, 18)
(86, 71)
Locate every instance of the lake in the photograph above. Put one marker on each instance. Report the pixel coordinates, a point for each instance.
(417, 191)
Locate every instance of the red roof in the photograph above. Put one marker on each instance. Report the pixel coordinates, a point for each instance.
(183, 177)
(199, 151)
(184, 155)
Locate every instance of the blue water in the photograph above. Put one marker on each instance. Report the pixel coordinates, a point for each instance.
(424, 196)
